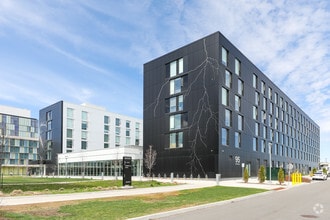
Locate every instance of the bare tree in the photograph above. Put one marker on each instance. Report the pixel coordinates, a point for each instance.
(150, 159)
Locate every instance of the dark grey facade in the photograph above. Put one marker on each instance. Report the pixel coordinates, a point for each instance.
(51, 134)
(209, 110)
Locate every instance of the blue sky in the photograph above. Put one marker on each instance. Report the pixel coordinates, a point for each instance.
(94, 51)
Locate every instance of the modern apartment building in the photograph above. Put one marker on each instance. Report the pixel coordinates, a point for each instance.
(72, 128)
(19, 139)
(209, 110)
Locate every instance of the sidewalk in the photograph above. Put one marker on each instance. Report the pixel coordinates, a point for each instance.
(182, 184)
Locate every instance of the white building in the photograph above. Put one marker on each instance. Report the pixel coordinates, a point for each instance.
(71, 128)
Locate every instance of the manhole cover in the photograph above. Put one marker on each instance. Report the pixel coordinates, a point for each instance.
(309, 216)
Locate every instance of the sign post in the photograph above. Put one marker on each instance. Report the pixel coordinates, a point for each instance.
(127, 171)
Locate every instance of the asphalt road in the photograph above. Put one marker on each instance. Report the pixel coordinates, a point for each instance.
(308, 201)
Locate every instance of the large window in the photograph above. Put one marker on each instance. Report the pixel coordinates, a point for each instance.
(255, 112)
(240, 122)
(237, 67)
(224, 58)
(175, 68)
(69, 133)
(263, 87)
(69, 112)
(255, 81)
(227, 117)
(256, 98)
(84, 116)
(178, 121)
(240, 87)
(178, 84)
(106, 119)
(225, 136)
(228, 79)
(255, 144)
(174, 104)
(237, 103)
(176, 140)
(49, 115)
(237, 139)
(69, 123)
(256, 129)
(84, 145)
(118, 122)
(225, 98)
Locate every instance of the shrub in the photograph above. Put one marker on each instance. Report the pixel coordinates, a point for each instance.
(280, 176)
(262, 174)
(246, 175)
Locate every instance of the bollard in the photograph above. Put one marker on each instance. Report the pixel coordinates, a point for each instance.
(218, 177)
(172, 175)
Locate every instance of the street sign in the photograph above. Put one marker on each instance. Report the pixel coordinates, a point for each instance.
(127, 171)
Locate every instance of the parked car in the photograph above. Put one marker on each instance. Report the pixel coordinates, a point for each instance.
(319, 175)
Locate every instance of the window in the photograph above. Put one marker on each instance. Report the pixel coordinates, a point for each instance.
(118, 122)
(237, 139)
(256, 98)
(237, 103)
(174, 104)
(128, 140)
(275, 97)
(128, 124)
(224, 59)
(255, 81)
(69, 133)
(106, 120)
(106, 128)
(263, 87)
(69, 123)
(84, 135)
(83, 145)
(177, 85)
(84, 116)
(69, 143)
(237, 67)
(117, 140)
(127, 133)
(176, 140)
(263, 146)
(49, 135)
(255, 113)
(106, 138)
(106, 145)
(69, 112)
(49, 125)
(264, 103)
(117, 130)
(84, 125)
(270, 93)
(175, 68)
(255, 144)
(264, 132)
(240, 87)
(256, 129)
(225, 136)
(178, 121)
(264, 117)
(225, 98)
(49, 116)
(227, 118)
(228, 79)
(240, 122)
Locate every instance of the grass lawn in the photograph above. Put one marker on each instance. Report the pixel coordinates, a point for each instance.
(126, 207)
(30, 185)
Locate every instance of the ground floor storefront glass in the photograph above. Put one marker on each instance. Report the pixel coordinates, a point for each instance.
(98, 168)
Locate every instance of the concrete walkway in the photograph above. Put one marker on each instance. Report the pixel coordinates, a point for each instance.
(181, 185)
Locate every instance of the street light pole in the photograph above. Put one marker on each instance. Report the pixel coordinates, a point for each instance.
(270, 160)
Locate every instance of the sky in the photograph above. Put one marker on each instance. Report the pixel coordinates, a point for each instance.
(93, 51)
